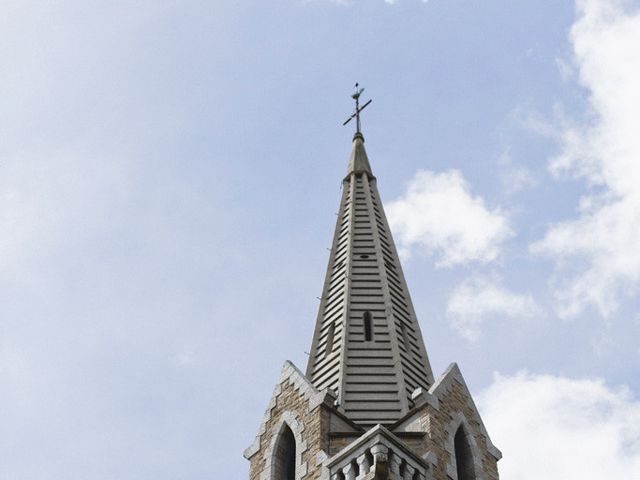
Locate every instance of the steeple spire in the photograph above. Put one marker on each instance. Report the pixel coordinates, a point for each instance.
(368, 405)
(367, 346)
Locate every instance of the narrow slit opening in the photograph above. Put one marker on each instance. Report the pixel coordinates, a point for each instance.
(405, 337)
(368, 327)
(328, 348)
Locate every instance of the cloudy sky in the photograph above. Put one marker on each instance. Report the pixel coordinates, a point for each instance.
(169, 173)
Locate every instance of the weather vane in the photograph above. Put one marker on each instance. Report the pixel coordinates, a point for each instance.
(356, 114)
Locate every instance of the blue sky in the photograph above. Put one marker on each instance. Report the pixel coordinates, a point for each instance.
(169, 173)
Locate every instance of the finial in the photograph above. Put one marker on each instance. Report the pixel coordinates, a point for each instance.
(356, 114)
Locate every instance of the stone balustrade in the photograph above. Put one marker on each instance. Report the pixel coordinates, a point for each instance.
(381, 450)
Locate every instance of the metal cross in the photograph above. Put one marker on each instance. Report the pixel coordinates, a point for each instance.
(356, 114)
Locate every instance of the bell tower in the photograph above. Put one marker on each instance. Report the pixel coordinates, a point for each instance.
(368, 406)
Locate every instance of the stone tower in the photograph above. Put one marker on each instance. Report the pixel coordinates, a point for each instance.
(368, 406)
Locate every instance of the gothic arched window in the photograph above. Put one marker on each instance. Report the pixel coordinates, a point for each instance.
(284, 461)
(464, 456)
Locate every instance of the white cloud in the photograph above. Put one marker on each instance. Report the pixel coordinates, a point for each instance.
(481, 298)
(438, 215)
(565, 69)
(514, 178)
(603, 241)
(559, 428)
(517, 178)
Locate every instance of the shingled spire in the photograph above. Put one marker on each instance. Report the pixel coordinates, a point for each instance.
(368, 406)
(367, 346)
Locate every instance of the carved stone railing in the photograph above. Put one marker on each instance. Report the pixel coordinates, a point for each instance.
(378, 454)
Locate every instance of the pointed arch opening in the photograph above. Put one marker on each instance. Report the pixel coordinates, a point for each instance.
(284, 466)
(464, 455)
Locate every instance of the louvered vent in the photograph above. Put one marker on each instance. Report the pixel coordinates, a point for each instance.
(367, 345)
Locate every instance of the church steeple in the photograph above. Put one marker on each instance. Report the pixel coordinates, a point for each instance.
(368, 406)
(367, 346)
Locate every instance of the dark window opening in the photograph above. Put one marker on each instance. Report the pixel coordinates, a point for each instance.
(464, 457)
(328, 348)
(368, 327)
(405, 337)
(285, 456)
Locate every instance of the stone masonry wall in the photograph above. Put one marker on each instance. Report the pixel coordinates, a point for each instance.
(338, 443)
(308, 413)
(313, 428)
(437, 423)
